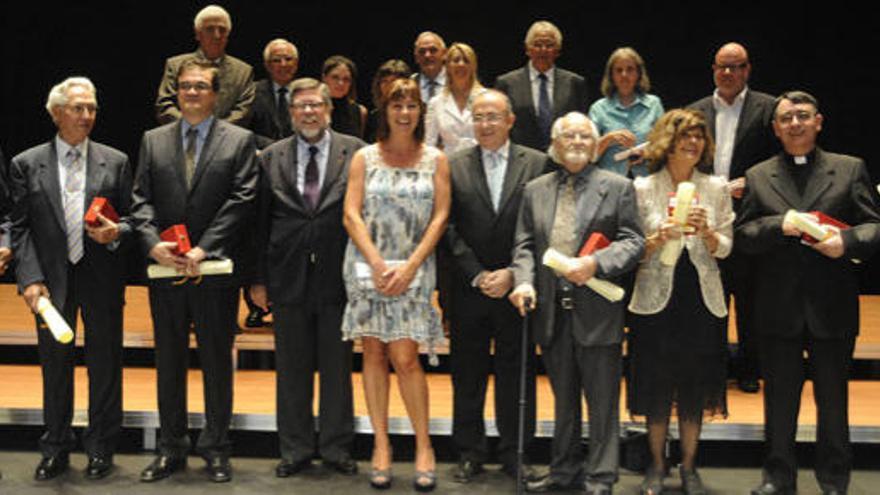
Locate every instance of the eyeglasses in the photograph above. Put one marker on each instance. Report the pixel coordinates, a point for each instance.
(695, 135)
(305, 105)
(278, 60)
(800, 115)
(199, 86)
(730, 67)
(571, 136)
(544, 45)
(81, 108)
(489, 118)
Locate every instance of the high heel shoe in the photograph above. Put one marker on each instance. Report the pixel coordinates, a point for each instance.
(380, 479)
(425, 481)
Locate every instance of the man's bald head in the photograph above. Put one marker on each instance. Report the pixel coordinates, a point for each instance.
(731, 70)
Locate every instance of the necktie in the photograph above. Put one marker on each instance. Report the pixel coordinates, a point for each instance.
(562, 237)
(74, 204)
(281, 110)
(310, 190)
(494, 178)
(545, 113)
(192, 136)
(432, 85)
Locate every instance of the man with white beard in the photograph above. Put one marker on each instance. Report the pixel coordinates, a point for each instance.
(579, 331)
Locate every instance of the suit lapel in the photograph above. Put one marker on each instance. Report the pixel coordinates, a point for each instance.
(526, 87)
(335, 164)
(544, 223)
(216, 135)
(95, 174)
(595, 192)
(820, 181)
(745, 117)
(174, 145)
(512, 175)
(50, 180)
(782, 182)
(560, 92)
(289, 172)
(477, 176)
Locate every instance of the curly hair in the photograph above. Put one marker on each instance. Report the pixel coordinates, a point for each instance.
(666, 132)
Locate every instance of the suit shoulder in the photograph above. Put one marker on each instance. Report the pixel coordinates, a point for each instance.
(238, 63)
(177, 60)
(34, 153)
(574, 76)
(509, 76)
(540, 182)
(764, 168)
(762, 97)
(613, 178)
(348, 141)
(109, 152)
(703, 104)
(263, 86)
(234, 131)
(162, 130)
(841, 160)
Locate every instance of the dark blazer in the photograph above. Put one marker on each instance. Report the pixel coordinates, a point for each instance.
(795, 284)
(291, 237)
(610, 209)
(754, 141)
(477, 237)
(216, 207)
(234, 99)
(39, 234)
(265, 121)
(5, 205)
(569, 95)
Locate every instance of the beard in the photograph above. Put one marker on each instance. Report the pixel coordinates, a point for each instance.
(576, 157)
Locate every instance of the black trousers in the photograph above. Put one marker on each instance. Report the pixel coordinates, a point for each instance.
(783, 368)
(308, 339)
(102, 317)
(479, 321)
(738, 279)
(213, 312)
(594, 373)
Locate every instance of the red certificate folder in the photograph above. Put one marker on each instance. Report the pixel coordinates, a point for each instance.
(595, 242)
(100, 205)
(823, 220)
(178, 235)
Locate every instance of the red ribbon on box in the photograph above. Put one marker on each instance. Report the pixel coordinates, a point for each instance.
(823, 220)
(100, 205)
(178, 235)
(595, 242)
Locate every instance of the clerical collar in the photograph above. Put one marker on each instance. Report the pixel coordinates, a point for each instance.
(801, 160)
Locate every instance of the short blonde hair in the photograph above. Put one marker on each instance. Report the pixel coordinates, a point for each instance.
(471, 56)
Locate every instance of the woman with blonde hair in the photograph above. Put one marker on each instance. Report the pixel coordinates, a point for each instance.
(677, 353)
(449, 123)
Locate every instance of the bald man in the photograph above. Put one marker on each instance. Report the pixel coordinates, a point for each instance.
(740, 121)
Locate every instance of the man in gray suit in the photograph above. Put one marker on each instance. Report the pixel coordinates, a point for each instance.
(487, 185)
(212, 28)
(579, 331)
(540, 92)
(79, 268)
(270, 116)
(200, 172)
(301, 245)
(739, 119)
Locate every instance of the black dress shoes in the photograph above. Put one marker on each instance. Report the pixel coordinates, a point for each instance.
(50, 467)
(162, 467)
(219, 469)
(749, 385)
(547, 484)
(529, 473)
(771, 488)
(99, 467)
(345, 465)
(466, 470)
(287, 468)
(255, 319)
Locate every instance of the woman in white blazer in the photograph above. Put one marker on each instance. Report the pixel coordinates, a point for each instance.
(677, 346)
(448, 123)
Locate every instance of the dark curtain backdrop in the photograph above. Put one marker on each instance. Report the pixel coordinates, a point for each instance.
(829, 50)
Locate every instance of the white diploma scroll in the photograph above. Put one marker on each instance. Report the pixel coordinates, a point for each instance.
(683, 197)
(59, 328)
(562, 263)
(808, 224)
(211, 267)
(625, 154)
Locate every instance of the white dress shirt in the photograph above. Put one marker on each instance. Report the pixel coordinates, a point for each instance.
(726, 122)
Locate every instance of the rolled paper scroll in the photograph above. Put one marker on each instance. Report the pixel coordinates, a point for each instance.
(683, 197)
(211, 267)
(625, 154)
(562, 263)
(807, 224)
(56, 323)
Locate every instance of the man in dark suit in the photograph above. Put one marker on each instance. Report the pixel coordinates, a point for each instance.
(5, 224)
(200, 172)
(740, 124)
(540, 92)
(487, 184)
(806, 295)
(212, 28)
(429, 51)
(301, 244)
(79, 268)
(579, 331)
(270, 119)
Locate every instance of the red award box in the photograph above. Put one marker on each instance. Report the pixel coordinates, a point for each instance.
(823, 220)
(100, 205)
(595, 242)
(178, 235)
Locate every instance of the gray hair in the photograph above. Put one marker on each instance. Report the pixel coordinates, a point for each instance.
(209, 12)
(494, 92)
(58, 93)
(278, 41)
(308, 83)
(556, 130)
(430, 33)
(543, 26)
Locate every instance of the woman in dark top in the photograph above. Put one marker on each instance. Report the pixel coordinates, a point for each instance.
(339, 74)
(388, 72)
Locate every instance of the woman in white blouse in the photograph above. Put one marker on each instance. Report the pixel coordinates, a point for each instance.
(448, 123)
(678, 358)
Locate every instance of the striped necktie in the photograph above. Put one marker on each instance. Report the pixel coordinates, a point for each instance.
(74, 204)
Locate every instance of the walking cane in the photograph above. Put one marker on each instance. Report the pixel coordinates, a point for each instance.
(521, 430)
